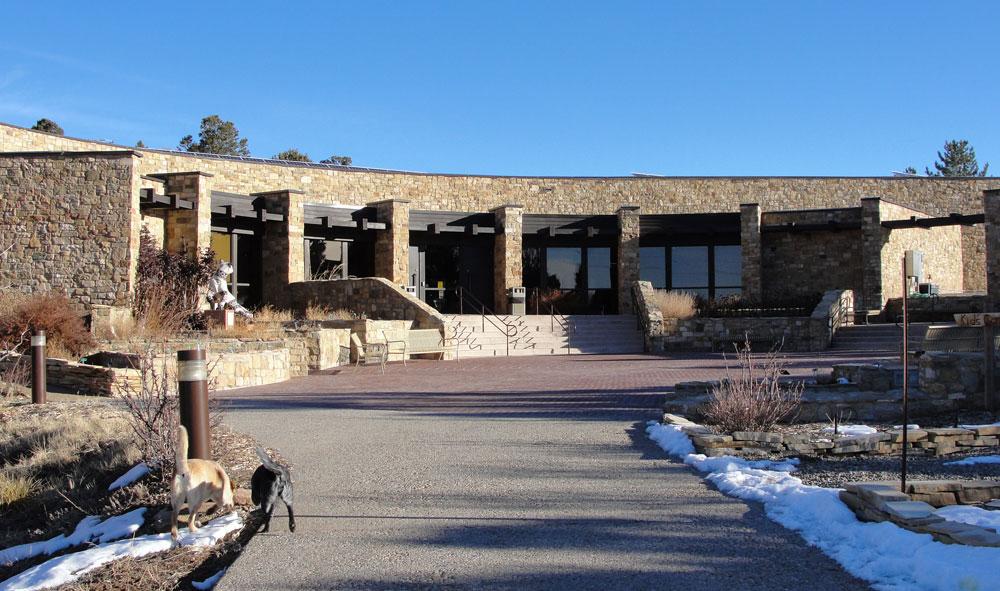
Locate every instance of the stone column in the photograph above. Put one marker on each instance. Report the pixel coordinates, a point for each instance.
(991, 207)
(872, 239)
(751, 252)
(282, 250)
(507, 254)
(628, 256)
(392, 245)
(189, 231)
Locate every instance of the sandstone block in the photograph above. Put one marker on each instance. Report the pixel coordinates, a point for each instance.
(712, 440)
(979, 491)
(986, 430)
(912, 435)
(759, 436)
(932, 486)
(877, 494)
(936, 499)
(950, 433)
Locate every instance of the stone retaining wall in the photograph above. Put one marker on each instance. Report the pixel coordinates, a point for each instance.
(368, 297)
(807, 333)
(82, 378)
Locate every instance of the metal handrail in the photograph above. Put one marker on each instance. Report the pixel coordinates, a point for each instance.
(509, 330)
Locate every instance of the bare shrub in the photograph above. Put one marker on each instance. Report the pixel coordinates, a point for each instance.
(675, 304)
(754, 399)
(66, 334)
(169, 284)
(153, 411)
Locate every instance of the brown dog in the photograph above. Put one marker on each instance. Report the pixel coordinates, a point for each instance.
(196, 482)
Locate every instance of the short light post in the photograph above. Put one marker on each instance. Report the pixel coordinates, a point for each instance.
(192, 389)
(38, 376)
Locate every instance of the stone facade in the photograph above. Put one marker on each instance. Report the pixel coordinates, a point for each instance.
(392, 246)
(581, 196)
(71, 222)
(282, 245)
(750, 250)
(368, 297)
(507, 254)
(802, 263)
(991, 207)
(189, 231)
(628, 256)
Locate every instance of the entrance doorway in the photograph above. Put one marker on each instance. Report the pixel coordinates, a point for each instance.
(438, 270)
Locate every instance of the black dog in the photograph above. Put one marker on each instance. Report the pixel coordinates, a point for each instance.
(268, 482)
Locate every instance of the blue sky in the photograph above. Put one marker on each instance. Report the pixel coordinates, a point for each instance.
(542, 88)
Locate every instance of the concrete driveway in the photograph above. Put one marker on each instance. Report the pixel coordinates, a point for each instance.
(526, 473)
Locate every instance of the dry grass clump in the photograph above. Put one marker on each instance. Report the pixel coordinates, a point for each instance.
(21, 315)
(343, 314)
(269, 314)
(755, 398)
(675, 304)
(15, 488)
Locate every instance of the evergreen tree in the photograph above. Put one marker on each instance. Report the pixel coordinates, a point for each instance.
(338, 160)
(216, 137)
(293, 155)
(958, 159)
(48, 126)
(140, 144)
(910, 170)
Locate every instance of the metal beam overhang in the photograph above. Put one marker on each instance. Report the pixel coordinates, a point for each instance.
(148, 199)
(953, 219)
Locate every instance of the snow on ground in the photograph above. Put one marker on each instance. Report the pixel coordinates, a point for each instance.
(209, 582)
(889, 557)
(975, 460)
(137, 472)
(971, 515)
(90, 530)
(852, 430)
(975, 426)
(69, 567)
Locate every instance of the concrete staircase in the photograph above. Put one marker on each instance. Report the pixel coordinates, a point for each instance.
(877, 338)
(544, 335)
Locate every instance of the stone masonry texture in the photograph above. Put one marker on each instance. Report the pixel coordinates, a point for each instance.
(392, 246)
(991, 205)
(507, 254)
(750, 250)
(282, 245)
(587, 196)
(628, 257)
(72, 224)
(189, 231)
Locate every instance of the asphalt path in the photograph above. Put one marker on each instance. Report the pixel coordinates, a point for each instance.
(500, 480)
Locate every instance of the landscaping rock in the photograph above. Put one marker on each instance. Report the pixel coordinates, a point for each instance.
(962, 533)
(912, 435)
(987, 430)
(877, 494)
(712, 440)
(911, 511)
(936, 499)
(950, 433)
(992, 506)
(933, 486)
(759, 436)
(979, 491)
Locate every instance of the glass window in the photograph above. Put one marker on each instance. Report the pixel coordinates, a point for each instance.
(563, 267)
(220, 246)
(728, 266)
(653, 266)
(532, 266)
(599, 268)
(689, 267)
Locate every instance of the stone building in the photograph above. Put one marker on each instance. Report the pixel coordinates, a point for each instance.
(71, 213)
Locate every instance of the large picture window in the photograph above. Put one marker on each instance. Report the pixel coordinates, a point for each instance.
(711, 271)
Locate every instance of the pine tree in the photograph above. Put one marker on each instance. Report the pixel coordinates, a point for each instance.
(48, 126)
(140, 144)
(338, 160)
(216, 137)
(958, 159)
(293, 155)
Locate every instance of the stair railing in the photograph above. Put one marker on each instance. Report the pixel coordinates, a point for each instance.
(509, 330)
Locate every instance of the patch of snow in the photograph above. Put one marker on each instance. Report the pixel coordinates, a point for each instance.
(843, 380)
(67, 568)
(975, 460)
(209, 582)
(137, 472)
(851, 430)
(908, 427)
(971, 515)
(889, 557)
(90, 530)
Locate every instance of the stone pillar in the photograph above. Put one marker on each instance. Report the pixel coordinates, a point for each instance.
(189, 231)
(392, 245)
(991, 207)
(282, 250)
(872, 239)
(628, 256)
(751, 252)
(507, 254)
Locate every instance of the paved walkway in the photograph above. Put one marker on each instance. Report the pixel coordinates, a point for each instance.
(528, 473)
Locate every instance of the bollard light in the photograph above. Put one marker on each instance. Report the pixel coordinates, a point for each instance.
(192, 389)
(38, 375)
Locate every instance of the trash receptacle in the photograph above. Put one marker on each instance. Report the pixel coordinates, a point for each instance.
(516, 298)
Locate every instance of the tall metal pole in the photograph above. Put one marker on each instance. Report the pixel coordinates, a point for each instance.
(38, 376)
(906, 377)
(192, 389)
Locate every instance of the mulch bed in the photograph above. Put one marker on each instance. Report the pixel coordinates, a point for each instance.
(173, 569)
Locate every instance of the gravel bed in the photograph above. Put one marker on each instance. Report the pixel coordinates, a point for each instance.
(837, 471)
